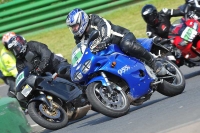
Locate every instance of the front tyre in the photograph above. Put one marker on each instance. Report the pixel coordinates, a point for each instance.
(114, 105)
(174, 85)
(51, 119)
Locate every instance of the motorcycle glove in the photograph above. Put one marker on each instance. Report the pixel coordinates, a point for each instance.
(157, 39)
(38, 71)
(100, 44)
(191, 14)
(99, 47)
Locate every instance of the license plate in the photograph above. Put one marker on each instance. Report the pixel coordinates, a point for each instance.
(26, 91)
(188, 33)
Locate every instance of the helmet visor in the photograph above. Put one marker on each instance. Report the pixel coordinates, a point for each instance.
(74, 28)
(15, 45)
(152, 19)
(16, 49)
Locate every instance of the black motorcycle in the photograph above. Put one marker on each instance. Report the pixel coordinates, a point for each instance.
(51, 101)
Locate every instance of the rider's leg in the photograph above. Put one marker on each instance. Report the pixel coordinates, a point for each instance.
(131, 47)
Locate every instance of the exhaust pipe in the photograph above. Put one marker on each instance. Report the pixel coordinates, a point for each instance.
(81, 112)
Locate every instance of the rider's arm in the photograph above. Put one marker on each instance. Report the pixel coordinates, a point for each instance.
(172, 12)
(102, 25)
(44, 53)
(151, 34)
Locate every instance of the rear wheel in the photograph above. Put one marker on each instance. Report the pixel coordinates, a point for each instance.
(174, 85)
(112, 105)
(51, 119)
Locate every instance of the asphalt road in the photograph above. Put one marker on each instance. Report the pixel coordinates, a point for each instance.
(161, 114)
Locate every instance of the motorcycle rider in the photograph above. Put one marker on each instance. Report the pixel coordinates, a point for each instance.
(8, 64)
(48, 61)
(81, 25)
(158, 23)
(158, 26)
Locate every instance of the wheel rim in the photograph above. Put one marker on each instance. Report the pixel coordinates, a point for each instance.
(117, 101)
(54, 115)
(177, 78)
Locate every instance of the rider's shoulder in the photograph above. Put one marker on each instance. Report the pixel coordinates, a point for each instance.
(165, 11)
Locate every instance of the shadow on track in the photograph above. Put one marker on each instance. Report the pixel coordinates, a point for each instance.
(193, 74)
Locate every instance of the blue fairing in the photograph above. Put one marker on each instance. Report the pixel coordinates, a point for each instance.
(127, 68)
(146, 43)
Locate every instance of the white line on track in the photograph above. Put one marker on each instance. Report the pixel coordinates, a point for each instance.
(34, 125)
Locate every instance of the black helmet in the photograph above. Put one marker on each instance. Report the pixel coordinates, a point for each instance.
(149, 14)
(17, 45)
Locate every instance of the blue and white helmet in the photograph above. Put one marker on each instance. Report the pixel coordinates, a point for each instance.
(78, 16)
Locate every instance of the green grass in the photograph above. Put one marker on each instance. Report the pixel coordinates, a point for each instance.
(4, 1)
(60, 40)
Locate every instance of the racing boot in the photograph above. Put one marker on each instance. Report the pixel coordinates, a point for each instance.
(156, 65)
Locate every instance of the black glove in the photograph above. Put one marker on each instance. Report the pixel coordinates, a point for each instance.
(99, 47)
(157, 39)
(38, 71)
(191, 14)
(43, 64)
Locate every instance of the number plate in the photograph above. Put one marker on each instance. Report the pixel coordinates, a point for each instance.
(188, 33)
(26, 91)
(19, 78)
(77, 55)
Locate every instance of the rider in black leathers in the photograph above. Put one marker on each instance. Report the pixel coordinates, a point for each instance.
(82, 25)
(158, 23)
(43, 59)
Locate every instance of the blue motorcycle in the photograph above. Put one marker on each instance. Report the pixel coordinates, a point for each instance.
(114, 80)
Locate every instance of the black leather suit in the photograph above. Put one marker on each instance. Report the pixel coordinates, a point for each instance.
(48, 61)
(162, 28)
(115, 34)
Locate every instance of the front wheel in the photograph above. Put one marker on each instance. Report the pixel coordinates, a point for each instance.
(112, 105)
(51, 119)
(174, 85)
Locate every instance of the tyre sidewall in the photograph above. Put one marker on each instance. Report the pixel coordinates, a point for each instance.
(168, 89)
(44, 123)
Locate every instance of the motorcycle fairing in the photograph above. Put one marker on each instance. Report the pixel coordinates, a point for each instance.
(146, 43)
(128, 68)
(185, 47)
(20, 78)
(61, 88)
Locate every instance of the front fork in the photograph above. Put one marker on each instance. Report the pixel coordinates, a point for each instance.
(108, 84)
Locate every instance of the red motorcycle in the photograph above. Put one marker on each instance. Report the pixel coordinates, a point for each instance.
(185, 36)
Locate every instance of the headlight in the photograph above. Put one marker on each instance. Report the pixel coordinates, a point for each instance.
(86, 66)
(78, 76)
